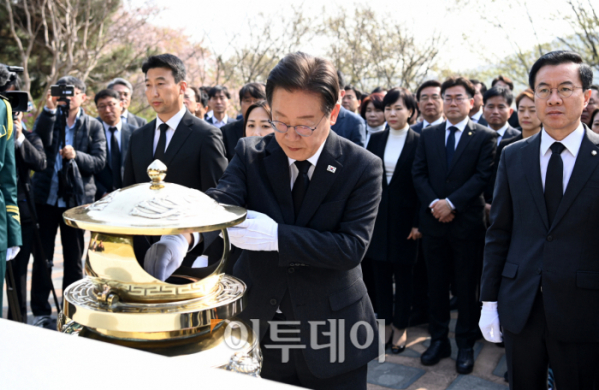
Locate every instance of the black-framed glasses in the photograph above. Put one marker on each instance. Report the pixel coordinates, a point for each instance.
(563, 91)
(304, 131)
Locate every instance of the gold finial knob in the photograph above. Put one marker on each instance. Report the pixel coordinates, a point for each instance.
(157, 173)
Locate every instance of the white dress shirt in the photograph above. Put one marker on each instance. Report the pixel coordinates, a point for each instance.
(476, 117)
(500, 132)
(572, 143)
(393, 149)
(426, 124)
(294, 172)
(124, 116)
(219, 124)
(117, 134)
(172, 126)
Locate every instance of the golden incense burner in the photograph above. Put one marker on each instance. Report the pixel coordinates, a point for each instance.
(120, 303)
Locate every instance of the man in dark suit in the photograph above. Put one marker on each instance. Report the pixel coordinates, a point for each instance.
(430, 105)
(249, 94)
(218, 100)
(349, 125)
(313, 198)
(453, 163)
(476, 113)
(192, 150)
(541, 274)
(117, 135)
(506, 82)
(125, 91)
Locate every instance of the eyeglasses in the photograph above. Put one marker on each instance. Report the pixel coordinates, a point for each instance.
(458, 100)
(426, 98)
(105, 107)
(563, 91)
(304, 131)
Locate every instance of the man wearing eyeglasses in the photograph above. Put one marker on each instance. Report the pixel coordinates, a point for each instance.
(312, 198)
(117, 134)
(540, 283)
(430, 104)
(453, 164)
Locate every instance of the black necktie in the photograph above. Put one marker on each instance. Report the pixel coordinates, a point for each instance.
(450, 146)
(300, 187)
(160, 148)
(115, 160)
(554, 188)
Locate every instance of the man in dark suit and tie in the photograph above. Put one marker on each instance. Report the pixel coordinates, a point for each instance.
(476, 113)
(192, 150)
(430, 105)
(313, 198)
(540, 284)
(453, 163)
(218, 100)
(349, 125)
(117, 134)
(125, 91)
(248, 94)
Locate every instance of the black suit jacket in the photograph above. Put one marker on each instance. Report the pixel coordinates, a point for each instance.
(232, 132)
(509, 134)
(399, 208)
(318, 262)
(482, 121)
(463, 183)
(229, 120)
(350, 126)
(104, 177)
(135, 121)
(417, 127)
(523, 253)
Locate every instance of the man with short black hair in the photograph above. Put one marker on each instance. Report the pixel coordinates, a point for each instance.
(248, 94)
(540, 284)
(476, 113)
(592, 105)
(117, 134)
(125, 91)
(349, 125)
(218, 100)
(497, 110)
(503, 81)
(430, 104)
(352, 99)
(83, 156)
(453, 163)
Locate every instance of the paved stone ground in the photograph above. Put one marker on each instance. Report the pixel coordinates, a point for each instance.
(402, 371)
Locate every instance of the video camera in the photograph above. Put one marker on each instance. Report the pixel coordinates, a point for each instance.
(62, 91)
(19, 101)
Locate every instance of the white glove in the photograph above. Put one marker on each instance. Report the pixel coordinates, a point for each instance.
(489, 322)
(165, 256)
(12, 252)
(258, 232)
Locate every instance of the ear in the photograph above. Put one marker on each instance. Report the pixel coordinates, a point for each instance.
(587, 96)
(511, 112)
(183, 86)
(335, 113)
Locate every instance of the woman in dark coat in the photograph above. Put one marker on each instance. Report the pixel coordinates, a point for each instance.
(393, 248)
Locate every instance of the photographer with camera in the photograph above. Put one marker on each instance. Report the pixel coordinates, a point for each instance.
(29, 156)
(75, 147)
(10, 224)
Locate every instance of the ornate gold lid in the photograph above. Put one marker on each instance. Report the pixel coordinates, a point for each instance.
(154, 208)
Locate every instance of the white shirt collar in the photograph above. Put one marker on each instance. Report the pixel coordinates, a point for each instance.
(376, 129)
(314, 159)
(476, 117)
(225, 119)
(461, 126)
(174, 121)
(118, 126)
(425, 123)
(501, 131)
(572, 142)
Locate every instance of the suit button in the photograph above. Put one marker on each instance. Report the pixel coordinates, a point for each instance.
(273, 302)
(549, 238)
(291, 270)
(540, 271)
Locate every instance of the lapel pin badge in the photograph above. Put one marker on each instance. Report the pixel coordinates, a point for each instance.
(469, 133)
(594, 152)
(331, 169)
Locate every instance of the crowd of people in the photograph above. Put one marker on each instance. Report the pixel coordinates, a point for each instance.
(413, 225)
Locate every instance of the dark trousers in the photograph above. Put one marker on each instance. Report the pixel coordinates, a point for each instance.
(529, 353)
(50, 219)
(370, 282)
(394, 308)
(439, 253)
(296, 372)
(420, 290)
(19, 267)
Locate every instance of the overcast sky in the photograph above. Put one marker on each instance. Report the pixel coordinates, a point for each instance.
(471, 43)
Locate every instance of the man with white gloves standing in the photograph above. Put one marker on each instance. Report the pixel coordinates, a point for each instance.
(540, 283)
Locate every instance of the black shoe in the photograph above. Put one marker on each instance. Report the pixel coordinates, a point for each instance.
(465, 361)
(396, 349)
(438, 350)
(46, 322)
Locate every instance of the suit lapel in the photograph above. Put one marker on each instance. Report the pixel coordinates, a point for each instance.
(531, 166)
(148, 144)
(125, 136)
(322, 179)
(439, 141)
(467, 134)
(403, 157)
(276, 164)
(181, 134)
(585, 165)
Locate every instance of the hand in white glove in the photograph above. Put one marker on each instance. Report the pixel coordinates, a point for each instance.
(489, 322)
(12, 252)
(165, 256)
(258, 232)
